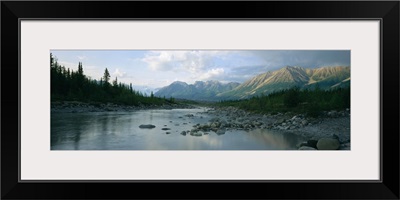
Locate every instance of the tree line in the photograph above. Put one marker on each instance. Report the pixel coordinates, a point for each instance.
(70, 85)
(310, 101)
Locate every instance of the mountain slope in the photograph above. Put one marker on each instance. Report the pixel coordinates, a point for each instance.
(287, 77)
(327, 77)
(202, 91)
(284, 78)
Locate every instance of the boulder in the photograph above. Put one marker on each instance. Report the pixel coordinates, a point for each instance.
(292, 127)
(183, 133)
(332, 113)
(345, 146)
(312, 143)
(197, 134)
(215, 125)
(328, 144)
(334, 136)
(257, 123)
(147, 126)
(215, 119)
(280, 121)
(220, 132)
(306, 148)
(302, 144)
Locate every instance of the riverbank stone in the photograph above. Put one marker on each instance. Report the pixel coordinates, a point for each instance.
(220, 132)
(312, 143)
(328, 144)
(147, 126)
(306, 148)
(197, 134)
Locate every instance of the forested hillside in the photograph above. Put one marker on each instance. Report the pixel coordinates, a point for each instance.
(69, 85)
(310, 101)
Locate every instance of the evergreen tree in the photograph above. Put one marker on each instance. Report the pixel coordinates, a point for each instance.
(80, 69)
(106, 77)
(115, 82)
(292, 97)
(67, 84)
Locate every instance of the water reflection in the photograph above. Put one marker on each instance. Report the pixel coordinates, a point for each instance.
(120, 131)
(275, 139)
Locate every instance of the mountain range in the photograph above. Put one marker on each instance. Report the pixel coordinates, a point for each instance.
(284, 78)
(200, 90)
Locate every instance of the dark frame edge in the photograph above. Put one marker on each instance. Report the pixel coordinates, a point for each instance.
(393, 194)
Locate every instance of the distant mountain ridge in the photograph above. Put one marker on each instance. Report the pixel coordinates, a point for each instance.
(287, 77)
(284, 78)
(200, 90)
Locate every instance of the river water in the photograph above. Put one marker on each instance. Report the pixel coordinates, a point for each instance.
(120, 131)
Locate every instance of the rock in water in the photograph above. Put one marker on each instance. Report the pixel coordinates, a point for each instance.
(312, 143)
(302, 144)
(220, 132)
(328, 144)
(306, 148)
(183, 133)
(165, 129)
(147, 126)
(196, 133)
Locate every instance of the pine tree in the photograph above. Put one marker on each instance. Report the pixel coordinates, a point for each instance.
(106, 77)
(80, 69)
(115, 82)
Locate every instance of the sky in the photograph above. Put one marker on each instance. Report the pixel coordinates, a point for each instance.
(155, 69)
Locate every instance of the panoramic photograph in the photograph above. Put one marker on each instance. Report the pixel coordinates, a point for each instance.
(200, 100)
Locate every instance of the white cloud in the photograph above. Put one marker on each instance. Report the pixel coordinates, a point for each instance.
(188, 61)
(118, 73)
(81, 57)
(212, 74)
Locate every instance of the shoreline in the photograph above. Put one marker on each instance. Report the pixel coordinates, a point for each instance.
(82, 107)
(333, 125)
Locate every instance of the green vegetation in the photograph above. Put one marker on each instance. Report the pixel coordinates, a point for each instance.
(312, 102)
(67, 85)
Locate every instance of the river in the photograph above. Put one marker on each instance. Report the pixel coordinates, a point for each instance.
(120, 131)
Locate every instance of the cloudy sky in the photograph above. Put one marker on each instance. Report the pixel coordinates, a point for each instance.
(160, 68)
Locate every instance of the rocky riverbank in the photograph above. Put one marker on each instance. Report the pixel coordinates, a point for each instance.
(79, 107)
(331, 131)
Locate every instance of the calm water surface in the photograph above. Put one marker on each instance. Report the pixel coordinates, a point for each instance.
(120, 131)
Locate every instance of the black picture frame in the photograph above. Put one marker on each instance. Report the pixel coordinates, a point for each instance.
(386, 11)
